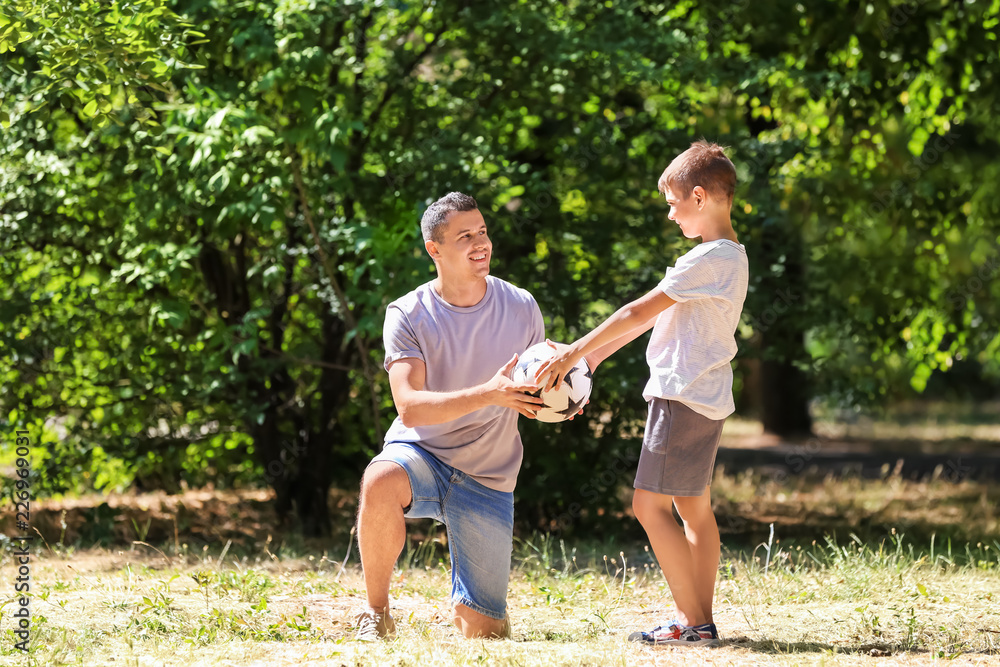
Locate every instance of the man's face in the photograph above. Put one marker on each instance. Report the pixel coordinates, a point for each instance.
(465, 248)
(685, 212)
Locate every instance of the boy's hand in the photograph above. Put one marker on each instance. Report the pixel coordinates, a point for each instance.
(551, 373)
(505, 392)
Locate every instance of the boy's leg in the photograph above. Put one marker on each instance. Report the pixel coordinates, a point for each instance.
(673, 552)
(702, 534)
(675, 469)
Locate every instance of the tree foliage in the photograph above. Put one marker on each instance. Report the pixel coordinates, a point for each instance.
(97, 56)
(192, 282)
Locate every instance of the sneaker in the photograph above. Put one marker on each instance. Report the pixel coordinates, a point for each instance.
(657, 635)
(373, 625)
(675, 634)
(710, 628)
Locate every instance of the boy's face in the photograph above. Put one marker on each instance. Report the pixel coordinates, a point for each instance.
(687, 213)
(465, 248)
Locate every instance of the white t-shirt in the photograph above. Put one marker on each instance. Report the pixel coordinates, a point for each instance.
(461, 348)
(693, 341)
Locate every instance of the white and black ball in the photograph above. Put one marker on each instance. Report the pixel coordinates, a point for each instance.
(562, 403)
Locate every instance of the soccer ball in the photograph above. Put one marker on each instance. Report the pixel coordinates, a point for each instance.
(560, 404)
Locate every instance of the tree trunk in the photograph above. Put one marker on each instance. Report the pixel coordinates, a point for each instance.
(784, 407)
(779, 321)
(310, 473)
(268, 452)
(310, 487)
(784, 389)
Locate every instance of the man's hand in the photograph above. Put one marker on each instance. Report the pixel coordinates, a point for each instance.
(503, 391)
(551, 373)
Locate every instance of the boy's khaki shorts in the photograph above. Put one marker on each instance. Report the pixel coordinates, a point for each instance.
(678, 450)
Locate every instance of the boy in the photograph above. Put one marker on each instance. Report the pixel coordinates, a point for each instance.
(694, 312)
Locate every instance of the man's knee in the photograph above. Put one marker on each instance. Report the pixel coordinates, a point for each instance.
(385, 481)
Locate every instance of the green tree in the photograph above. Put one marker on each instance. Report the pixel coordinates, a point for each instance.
(95, 56)
(869, 132)
(201, 299)
(208, 312)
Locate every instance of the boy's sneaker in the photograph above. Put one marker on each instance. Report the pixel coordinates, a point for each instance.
(710, 628)
(675, 634)
(373, 625)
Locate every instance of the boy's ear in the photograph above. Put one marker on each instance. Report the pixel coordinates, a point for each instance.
(700, 196)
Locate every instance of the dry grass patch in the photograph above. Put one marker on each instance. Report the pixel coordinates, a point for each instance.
(830, 603)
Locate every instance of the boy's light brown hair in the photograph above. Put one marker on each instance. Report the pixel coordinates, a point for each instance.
(703, 164)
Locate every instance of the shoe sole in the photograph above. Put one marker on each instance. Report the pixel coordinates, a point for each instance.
(705, 643)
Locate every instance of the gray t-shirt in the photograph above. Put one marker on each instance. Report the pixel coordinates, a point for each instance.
(461, 348)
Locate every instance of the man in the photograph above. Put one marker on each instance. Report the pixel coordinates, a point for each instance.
(454, 451)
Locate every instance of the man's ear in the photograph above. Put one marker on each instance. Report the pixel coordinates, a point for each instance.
(700, 196)
(432, 249)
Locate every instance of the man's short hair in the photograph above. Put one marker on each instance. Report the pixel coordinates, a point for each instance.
(437, 213)
(703, 164)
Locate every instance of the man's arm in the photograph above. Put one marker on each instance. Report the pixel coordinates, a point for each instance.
(626, 324)
(419, 407)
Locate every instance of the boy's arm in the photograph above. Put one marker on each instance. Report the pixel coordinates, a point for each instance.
(419, 407)
(627, 324)
(595, 358)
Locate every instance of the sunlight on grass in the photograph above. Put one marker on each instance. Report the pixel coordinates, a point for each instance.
(835, 601)
(930, 426)
(923, 421)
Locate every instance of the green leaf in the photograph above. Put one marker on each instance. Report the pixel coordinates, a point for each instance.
(174, 312)
(246, 347)
(338, 158)
(220, 180)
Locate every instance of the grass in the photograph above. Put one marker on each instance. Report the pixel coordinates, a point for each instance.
(921, 426)
(887, 571)
(806, 505)
(927, 427)
(831, 602)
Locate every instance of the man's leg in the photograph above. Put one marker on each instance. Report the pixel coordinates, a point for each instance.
(474, 625)
(385, 493)
(480, 524)
(655, 512)
(702, 533)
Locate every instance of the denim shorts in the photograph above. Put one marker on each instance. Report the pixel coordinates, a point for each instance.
(479, 522)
